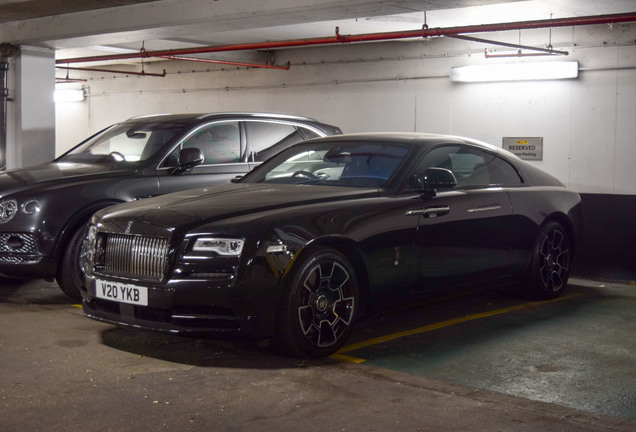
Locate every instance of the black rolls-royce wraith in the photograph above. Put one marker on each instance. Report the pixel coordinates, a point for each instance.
(326, 231)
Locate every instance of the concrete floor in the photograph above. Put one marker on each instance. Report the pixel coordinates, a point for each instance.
(485, 362)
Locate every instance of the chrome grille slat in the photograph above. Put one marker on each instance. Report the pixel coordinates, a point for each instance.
(135, 256)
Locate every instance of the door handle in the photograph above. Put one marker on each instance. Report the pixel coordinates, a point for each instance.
(429, 212)
(489, 207)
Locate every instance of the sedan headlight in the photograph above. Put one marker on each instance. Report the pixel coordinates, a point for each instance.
(87, 253)
(222, 246)
(8, 209)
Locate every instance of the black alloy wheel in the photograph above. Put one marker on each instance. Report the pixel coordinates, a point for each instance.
(318, 306)
(551, 262)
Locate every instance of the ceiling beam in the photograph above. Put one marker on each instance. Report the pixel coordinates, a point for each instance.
(175, 19)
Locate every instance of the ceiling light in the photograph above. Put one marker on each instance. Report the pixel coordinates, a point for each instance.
(515, 72)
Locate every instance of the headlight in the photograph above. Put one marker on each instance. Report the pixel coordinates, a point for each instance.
(8, 209)
(222, 246)
(87, 253)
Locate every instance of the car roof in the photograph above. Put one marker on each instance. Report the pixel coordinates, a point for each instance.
(195, 118)
(416, 139)
(223, 115)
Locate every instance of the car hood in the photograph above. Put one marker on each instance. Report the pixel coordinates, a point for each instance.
(52, 173)
(221, 202)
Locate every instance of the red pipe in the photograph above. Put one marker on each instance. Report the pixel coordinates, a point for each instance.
(424, 32)
(226, 62)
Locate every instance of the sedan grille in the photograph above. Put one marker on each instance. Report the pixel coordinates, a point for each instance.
(132, 256)
(18, 243)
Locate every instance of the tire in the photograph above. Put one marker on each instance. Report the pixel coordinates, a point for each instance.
(551, 262)
(70, 277)
(318, 306)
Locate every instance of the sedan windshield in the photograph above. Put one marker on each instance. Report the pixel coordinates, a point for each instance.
(125, 142)
(337, 164)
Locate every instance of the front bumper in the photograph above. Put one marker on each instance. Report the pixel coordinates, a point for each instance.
(22, 255)
(192, 307)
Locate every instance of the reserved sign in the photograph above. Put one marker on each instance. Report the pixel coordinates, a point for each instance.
(528, 148)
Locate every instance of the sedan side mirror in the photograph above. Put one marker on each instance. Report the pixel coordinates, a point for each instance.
(189, 158)
(436, 178)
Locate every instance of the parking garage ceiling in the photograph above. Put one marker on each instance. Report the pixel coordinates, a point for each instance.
(84, 28)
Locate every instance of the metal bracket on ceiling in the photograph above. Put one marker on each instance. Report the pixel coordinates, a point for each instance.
(537, 51)
(142, 73)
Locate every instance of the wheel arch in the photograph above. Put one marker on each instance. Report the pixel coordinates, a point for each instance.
(567, 224)
(80, 217)
(351, 251)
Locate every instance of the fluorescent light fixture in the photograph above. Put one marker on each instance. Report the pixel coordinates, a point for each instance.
(515, 72)
(69, 95)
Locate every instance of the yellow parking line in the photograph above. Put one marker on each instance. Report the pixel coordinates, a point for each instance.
(435, 326)
(346, 358)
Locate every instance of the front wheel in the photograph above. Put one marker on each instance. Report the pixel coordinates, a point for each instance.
(69, 275)
(551, 262)
(318, 306)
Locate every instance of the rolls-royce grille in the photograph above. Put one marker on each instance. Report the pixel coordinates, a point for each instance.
(132, 256)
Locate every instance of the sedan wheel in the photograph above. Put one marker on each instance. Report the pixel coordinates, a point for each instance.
(69, 275)
(551, 262)
(318, 306)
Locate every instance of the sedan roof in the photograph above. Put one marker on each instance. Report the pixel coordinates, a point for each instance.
(417, 139)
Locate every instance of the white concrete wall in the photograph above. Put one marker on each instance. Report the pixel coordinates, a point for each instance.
(587, 124)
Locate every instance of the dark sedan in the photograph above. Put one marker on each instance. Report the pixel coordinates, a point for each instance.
(327, 231)
(44, 209)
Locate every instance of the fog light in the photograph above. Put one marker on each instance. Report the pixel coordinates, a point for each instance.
(15, 243)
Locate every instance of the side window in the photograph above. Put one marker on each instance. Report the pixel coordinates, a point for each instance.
(268, 138)
(471, 167)
(502, 173)
(219, 143)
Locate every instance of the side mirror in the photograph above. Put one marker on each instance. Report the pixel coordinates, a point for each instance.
(189, 158)
(436, 178)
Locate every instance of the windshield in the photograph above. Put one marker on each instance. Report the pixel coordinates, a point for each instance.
(125, 142)
(337, 164)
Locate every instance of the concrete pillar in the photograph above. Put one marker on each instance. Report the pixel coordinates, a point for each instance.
(31, 110)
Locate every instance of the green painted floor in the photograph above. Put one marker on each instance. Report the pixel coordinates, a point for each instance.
(578, 351)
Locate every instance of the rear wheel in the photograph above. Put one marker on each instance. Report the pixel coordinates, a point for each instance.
(69, 274)
(318, 306)
(551, 262)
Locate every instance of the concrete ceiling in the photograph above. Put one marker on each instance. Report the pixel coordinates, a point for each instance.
(81, 28)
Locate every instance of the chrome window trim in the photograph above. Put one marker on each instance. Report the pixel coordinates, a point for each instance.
(210, 165)
(287, 122)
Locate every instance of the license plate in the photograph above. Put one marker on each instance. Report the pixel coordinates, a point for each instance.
(123, 293)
